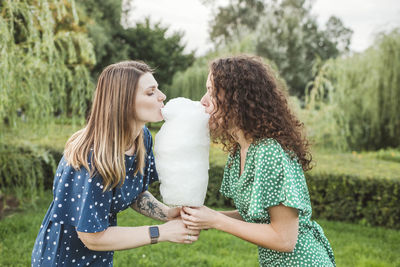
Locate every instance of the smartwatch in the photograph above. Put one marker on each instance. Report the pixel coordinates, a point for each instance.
(154, 234)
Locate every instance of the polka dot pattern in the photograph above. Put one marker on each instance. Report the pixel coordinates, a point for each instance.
(271, 177)
(79, 204)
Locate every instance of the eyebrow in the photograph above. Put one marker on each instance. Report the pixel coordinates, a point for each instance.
(152, 87)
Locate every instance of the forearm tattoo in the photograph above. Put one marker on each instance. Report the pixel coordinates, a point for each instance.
(149, 206)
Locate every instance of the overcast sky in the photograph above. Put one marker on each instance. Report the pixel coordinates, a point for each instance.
(364, 17)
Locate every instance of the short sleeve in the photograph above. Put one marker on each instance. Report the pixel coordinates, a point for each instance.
(79, 200)
(277, 179)
(150, 171)
(226, 188)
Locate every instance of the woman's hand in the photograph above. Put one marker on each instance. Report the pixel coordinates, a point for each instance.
(200, 218)
(176, 231)
(173, 213)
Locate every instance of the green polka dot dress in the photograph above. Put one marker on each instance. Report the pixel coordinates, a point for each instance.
(271, 177)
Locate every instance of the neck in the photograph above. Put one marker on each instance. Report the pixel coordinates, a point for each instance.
(241, 139)
(135, 134)
(138, 128)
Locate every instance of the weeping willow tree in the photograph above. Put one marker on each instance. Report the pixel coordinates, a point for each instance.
(45, 56)
(364, 99)
(191, 83)
(319, 112)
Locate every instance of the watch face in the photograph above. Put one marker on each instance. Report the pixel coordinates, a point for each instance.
(154, 232)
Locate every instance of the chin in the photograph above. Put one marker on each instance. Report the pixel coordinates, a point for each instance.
(158, 119)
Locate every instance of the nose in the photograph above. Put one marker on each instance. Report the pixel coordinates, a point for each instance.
(162, 96)
(204, 100)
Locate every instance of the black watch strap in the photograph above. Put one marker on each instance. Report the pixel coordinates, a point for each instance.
(154, 234)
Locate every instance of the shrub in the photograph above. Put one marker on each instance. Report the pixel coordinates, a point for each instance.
(368, 200)
(26, 171)
(336, 196)
(341, 195)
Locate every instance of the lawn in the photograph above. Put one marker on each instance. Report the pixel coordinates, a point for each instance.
(354, 245)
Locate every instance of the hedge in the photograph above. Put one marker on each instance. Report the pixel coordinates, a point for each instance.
(367, 200)
(339, 197)
(25, 171)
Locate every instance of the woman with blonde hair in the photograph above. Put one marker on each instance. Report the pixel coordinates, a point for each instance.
(107, 167)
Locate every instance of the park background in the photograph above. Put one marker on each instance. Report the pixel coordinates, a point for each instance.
(52, 51)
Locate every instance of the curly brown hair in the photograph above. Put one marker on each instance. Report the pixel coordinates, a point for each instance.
(248, 96)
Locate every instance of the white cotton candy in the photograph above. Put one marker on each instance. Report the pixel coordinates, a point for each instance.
(181, 153)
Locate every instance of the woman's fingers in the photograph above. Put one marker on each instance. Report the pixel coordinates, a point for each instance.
(178, 232)
(186, 217)
(195, 227)
(189, 239)
(189, 223)
(193, 232)
(174, 213)
(189, 210)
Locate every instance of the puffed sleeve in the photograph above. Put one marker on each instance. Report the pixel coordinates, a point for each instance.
(79, 200)
(150, 171)
(226, 188)
(277, 179)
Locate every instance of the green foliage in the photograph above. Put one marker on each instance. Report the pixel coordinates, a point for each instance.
(28, 158)
(389, 155)
(214, 198)
(44, 61)
(367, 200)
(364, 102)
(353, 244)
(23, 172)
(234, 21)
(103, 20)
(289, 35)
(285, 32)
(338, 34)
(52, 136)
(321, 126)
(344, 187)
(190, 83)
(144, 41)
(164, 52)
(339, 197)
(366, 164)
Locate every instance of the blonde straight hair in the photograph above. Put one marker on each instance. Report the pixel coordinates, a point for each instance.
(111, 126)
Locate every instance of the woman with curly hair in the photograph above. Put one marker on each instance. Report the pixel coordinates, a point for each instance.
(268, 154)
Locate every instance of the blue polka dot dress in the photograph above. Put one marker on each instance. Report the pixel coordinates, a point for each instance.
(79, 204)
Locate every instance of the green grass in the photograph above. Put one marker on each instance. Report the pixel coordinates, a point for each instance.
(379, 164)
(353, 245)
(51, 135)
(365, 164)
